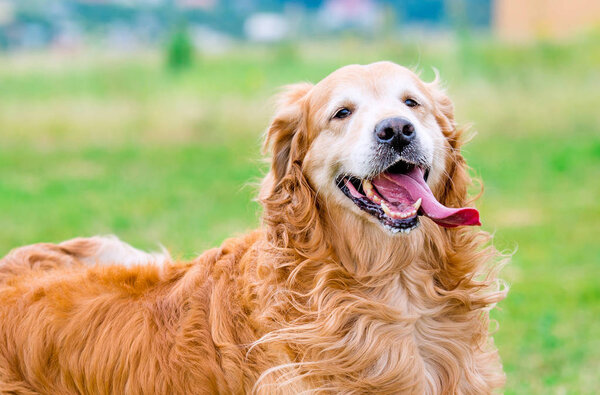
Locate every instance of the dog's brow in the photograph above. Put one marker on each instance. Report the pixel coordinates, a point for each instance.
(338, 103)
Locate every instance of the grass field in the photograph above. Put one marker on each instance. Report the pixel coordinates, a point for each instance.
(95, 143)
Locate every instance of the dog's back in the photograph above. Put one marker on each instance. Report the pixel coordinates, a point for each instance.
(69, 326)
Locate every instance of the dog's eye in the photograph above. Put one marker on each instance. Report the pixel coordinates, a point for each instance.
(411, 102)
(342, 113)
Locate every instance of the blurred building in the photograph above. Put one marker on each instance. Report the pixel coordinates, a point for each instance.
(519, 20)
(131, 24)
(340, 14)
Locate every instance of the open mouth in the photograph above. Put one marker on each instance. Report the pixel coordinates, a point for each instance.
(398, 195)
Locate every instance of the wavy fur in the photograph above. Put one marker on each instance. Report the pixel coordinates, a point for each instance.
(313, 301)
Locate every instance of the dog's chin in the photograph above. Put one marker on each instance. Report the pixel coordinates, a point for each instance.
(383, 226)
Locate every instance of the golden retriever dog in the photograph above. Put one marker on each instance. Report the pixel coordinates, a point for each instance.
(364, 276)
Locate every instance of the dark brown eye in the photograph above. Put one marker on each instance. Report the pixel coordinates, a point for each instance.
(342, 113)
(411, 102)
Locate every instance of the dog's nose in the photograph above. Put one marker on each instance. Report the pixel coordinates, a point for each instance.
(397, 132)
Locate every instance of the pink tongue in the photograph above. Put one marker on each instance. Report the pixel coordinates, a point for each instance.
(414, 183)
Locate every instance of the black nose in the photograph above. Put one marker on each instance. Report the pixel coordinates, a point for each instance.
(397, 132)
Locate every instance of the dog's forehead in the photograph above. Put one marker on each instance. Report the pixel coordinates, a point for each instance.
(365, 81)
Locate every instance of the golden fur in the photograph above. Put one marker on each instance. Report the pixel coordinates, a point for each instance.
(319, 299)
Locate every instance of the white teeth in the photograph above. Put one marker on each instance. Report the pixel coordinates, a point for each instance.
(417, 204)
(368, 187)
(389, 212)
(386, 209)
(396, 214)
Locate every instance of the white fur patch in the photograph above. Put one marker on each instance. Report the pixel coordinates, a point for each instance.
(112, 251)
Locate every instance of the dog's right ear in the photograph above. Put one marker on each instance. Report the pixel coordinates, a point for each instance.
(290, 214)
(284, 136)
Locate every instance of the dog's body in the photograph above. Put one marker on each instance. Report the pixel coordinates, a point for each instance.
(324, 297)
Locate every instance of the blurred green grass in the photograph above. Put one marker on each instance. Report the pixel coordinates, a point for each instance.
(94, 144)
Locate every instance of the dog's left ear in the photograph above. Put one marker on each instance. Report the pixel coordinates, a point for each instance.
(444, 109)
(457, 177)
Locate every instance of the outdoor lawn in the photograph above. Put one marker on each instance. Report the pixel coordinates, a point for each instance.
(97, 143)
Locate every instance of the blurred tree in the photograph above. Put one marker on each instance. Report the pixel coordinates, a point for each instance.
(180, 50)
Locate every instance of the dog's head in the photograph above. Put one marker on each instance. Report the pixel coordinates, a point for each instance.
(374, 141)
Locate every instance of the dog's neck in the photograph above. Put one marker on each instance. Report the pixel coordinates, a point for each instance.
(367, 250)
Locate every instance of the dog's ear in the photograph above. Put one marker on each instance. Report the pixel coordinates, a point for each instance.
(457, 178)
(289, 202)
(285, 135)
(444, 108)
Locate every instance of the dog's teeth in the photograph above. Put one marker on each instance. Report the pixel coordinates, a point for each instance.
(394, 214)
(386, 209)
(368, 187)
(397, 215)
(417, 204)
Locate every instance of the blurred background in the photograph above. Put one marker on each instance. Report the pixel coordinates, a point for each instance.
(143, 118)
